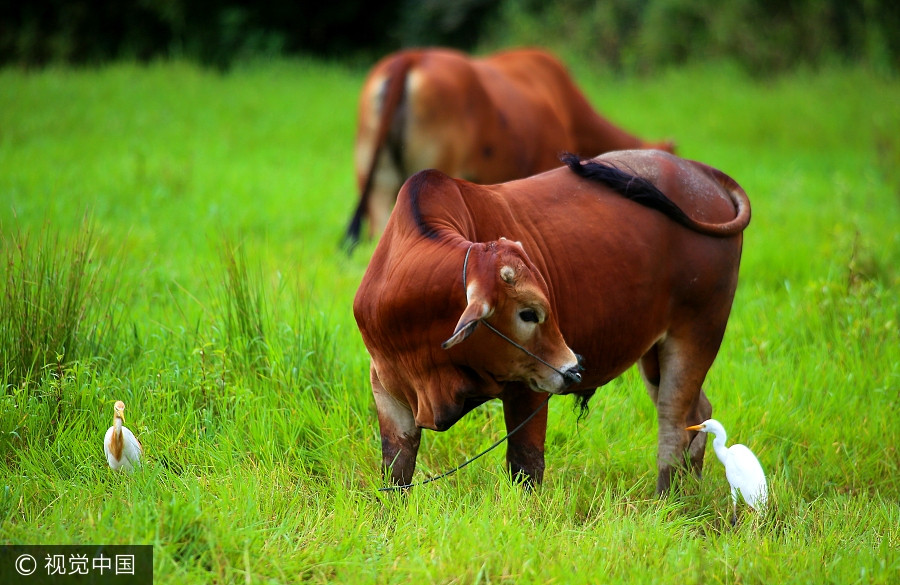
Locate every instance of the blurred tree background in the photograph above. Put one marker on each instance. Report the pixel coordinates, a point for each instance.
(633, 36)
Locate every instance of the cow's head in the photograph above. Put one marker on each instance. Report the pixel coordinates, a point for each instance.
(521, 340)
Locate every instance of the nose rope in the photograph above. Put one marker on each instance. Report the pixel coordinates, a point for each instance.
(574, 377)
(496, 444)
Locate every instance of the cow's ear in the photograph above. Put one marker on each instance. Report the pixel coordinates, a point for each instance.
(477, 310)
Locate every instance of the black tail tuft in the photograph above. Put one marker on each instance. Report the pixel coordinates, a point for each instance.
(632, 187)
(351, 236)
(581, 403)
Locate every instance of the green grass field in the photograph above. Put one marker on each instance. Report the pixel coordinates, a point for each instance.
(176, 230)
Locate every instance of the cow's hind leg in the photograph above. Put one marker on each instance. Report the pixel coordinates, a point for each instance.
(525, 448)
(399, 434)
(673, 372)
(697, 448)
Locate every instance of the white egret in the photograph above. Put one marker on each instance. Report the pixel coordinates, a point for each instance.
(123, 450)
(742, 468)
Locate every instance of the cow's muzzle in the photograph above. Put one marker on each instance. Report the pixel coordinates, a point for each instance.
(572, 376)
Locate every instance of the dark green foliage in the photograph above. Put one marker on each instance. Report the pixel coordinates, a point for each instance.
(458, 24)
(763, 35)
(213, 32)
(630, 35)
(766, 35)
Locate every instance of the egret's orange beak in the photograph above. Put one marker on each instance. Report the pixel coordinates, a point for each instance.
(695, 428)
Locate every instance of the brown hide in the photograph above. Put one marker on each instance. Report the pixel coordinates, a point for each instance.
(487, 120)
(622, 283)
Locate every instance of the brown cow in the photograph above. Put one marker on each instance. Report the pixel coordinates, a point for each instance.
(600, 260)
(489, 120)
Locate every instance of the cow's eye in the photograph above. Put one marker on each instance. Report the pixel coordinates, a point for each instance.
(529, 316)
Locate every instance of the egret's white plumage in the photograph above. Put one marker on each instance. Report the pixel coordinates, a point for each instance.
(123, 450)
(742, 468)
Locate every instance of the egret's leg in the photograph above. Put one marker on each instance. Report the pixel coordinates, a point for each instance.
(733, 506)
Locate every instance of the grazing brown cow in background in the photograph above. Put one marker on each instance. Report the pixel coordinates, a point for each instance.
(601, 261)
(486, 120)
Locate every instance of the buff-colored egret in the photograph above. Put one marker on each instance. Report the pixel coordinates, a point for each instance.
(123, 450)
(742, 468)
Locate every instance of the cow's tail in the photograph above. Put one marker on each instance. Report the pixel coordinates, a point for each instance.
(738, 198)
(393, 91)
(641, 190)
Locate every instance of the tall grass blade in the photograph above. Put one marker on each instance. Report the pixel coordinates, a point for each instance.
(57, 304)
(245, 323)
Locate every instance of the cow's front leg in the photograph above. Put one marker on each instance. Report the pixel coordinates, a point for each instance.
(399, 434)
(525, 448)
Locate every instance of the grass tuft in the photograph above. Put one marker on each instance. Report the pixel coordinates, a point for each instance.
(57, 304)
(245, 320)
